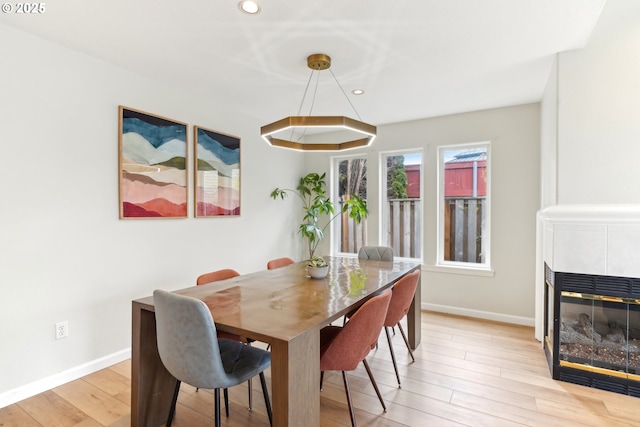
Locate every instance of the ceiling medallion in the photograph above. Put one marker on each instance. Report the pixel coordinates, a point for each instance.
(365, 132)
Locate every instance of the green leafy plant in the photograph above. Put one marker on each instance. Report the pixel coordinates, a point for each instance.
(316, 261)
(317, 207)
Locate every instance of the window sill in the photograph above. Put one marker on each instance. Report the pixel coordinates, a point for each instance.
(455, 269)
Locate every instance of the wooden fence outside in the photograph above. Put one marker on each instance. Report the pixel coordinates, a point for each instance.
(405, 230)
(404, 235)
(353, 235)
(463, 225)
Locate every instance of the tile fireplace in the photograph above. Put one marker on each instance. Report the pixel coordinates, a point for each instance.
(592, 330)
(590, 296)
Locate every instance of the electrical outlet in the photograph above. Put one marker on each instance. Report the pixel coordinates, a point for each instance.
(62, 329)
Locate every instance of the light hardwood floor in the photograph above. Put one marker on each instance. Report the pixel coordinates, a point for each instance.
(467, 372)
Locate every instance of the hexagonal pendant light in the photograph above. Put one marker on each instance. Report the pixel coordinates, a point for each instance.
(366, 131)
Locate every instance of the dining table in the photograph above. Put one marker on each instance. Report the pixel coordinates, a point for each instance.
(284, 308)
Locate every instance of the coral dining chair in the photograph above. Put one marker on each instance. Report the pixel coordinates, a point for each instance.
(342, 348)
(279, 262)
(401, 298)
(214, 276)
(191, 351)
(381, 253)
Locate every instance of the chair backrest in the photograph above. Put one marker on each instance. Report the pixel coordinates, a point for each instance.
(383, 253)
(279, 262)
(187, 340)
(214, 276)
(353, 343)
(401, 297)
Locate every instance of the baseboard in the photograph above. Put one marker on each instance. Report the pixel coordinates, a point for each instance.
(486, 315)
(23, 392)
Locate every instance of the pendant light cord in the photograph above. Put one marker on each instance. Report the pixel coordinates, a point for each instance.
(313, 99)
(345, 94)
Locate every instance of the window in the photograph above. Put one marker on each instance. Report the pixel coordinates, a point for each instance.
(401, 198)
(349, 177)
(463, 196)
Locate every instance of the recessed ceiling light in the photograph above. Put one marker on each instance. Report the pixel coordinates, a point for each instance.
(250, 7)
(357, 91)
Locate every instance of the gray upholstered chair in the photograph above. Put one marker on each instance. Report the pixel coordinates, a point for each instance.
(383, 253)
(191, 351)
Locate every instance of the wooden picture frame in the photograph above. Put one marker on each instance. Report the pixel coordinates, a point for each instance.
(152, 162)
(217, 173)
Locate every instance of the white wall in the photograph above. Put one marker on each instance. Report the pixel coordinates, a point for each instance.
(590, 123)
(64, 254)
(599, 111)
(514, 133)
(549, 139)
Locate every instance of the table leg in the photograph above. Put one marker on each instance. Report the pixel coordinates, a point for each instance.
(151, 384)
(295, 380)
(414, 321)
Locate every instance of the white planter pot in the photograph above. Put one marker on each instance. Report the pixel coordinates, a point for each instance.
(318, 272)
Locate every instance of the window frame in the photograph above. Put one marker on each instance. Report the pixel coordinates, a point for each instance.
(460, 266)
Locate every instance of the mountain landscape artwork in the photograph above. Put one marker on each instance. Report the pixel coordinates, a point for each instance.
(153, 173)
(217, 168)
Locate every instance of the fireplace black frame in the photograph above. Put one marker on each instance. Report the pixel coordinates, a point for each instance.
(614, 287)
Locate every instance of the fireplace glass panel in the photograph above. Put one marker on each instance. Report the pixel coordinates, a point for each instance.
(634, 338)
(550, 321)
(600, 333)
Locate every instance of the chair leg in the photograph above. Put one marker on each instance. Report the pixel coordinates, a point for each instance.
(321, 379)
(172, 410)
(226, 402)
(375, 385)
(250, 384)
(216, 412)
(406, 341)
(393, 355)
(267, 403)
(352, 413)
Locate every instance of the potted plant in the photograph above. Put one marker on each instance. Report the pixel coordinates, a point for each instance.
(317, 267)
(318, 208)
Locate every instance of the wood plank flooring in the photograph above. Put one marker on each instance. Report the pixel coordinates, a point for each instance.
(468, 372)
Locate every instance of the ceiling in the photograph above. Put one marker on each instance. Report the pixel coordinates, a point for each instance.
(414, 59)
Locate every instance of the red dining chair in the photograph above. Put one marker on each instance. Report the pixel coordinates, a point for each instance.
(214, 276)
(380, 253)
(279, 262)
(401, 297)
(342, 348)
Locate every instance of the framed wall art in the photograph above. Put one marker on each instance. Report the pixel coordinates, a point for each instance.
(152, 163)
(217, 173)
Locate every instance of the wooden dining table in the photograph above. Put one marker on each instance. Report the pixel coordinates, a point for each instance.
(283, 307)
